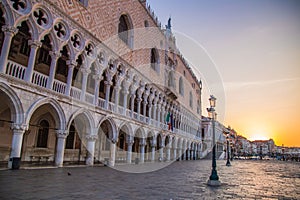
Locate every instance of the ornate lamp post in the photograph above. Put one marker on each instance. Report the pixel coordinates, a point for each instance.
(228, 155)
(214, 178)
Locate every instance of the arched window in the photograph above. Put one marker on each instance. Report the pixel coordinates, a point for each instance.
(154, 60)
(2, 23)
(171, 79)
(42, 138)
(124, 30)
(19, 49)
(146, 23)
(61, 66)
(191, 99)
(121, 141)
(181, 87)
(43, 56)
(71, 138)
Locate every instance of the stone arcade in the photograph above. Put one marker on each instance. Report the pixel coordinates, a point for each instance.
(68, 96)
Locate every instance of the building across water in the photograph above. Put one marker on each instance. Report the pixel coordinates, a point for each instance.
(85, 81)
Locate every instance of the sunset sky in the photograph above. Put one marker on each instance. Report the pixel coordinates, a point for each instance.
(254, 46)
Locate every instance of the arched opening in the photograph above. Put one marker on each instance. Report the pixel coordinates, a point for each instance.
(91, 80)
(61, 65)
(75, 146)
(122, 146)
(136, 147)
(171, 83)
(39, 142)
(73, 140)
(124, 28)
(43, 59)
(102, 87)
(42, 138)
(2, 23)
(181, 87)
(77, 74)
(104, 142)
(154, 60)
(7, 109)
(20, 49)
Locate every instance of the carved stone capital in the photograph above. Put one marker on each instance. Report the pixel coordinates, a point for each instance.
(91, 137)
(61, 134)
(10, 30)
(19, 128)
(34, 43)
(55, 54)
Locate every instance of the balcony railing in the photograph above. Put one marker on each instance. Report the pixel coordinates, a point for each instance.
(39, 79)
(59, 86)
(18, 71)
(15, 70)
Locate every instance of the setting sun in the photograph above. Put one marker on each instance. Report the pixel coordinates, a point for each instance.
(258, 137)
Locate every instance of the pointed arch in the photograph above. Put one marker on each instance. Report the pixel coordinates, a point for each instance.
(60, 120)
(125, 31)
(113, 135)
(88, 118)
(17, 112)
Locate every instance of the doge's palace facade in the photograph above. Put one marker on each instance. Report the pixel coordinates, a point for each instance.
(94, 81)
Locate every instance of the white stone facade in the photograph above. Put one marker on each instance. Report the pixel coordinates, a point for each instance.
(67, 97)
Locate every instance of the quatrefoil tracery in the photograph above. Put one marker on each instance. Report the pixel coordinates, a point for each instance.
(75, 41)
(41, 17)
(18, 4)
(60, 30)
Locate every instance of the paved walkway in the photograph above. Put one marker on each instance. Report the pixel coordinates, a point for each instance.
(180, 180)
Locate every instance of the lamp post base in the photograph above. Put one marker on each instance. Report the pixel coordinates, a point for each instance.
(213, 183)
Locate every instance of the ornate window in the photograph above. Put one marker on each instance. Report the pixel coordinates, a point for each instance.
(19, 49)
(181, 87)
(124, 30)
(42, 138)
(61, 66)
(154, 60)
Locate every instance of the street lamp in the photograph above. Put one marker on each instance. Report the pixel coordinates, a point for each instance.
(214, 178)
(228, 155)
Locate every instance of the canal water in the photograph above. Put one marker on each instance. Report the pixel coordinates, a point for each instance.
(180, 180)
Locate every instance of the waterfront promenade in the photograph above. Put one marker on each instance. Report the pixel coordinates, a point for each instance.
(181, 180)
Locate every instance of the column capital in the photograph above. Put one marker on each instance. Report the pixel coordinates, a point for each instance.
(34, 43)
(130, 142)
(10, 30)
(71, 63)
(55, 54)
(61, 134)
(19, 127)
(85, 71)
(91, 137)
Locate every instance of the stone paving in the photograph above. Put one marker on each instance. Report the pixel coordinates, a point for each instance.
(180, 180)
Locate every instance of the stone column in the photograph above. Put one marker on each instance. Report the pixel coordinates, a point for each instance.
(168, 152)
(129, 151)
(188, 154)
(161, 153)
(117, 91)
(97, 79)
(60, 147)
(85, 72)
(108, 84)
(9, 32)
(142, 150)
(132, 104)
(54, 58)
(179, 154)
(90, 147)
(174, 153)
(112, 153)
(139, 100)
(153, 152)
(35, 45)
(71, 65)
(17, 140)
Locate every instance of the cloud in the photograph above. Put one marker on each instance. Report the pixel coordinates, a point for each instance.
(260, 83)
